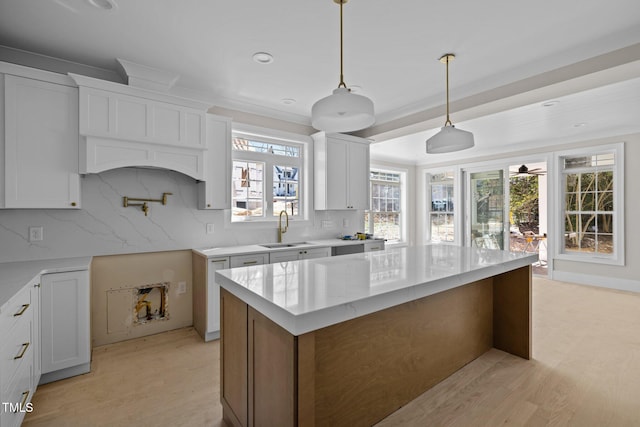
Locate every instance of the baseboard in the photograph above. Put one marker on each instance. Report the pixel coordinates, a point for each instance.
(599, 281)
(64, 373)
(210, 336)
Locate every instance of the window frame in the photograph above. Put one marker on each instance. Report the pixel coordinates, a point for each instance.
(618, 255)
(270, 160)
(403, 173)
(457, 205)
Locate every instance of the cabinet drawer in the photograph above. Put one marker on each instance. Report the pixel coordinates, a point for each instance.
(248, 260)
(18, 307)
(16, 348)
(17, 395)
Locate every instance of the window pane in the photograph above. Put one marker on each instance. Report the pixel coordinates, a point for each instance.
(572, 182)
(285, 190)
(605, 201)
(242, 144)
(588, 182)
(247, 190)
(588, 201)
(571, 202)
(588, 242)
(605, 223)
(387, 225)
(441, 227)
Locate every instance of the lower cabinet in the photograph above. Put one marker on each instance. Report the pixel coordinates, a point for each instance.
(19, 354)
(65, 334)
(206, 292)
(206, 296)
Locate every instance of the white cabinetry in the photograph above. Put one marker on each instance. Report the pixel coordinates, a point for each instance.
(374, 245)
(19, 354)
(39, 143)
(66, 346)
(248, 260)
(341, 172)
(297, 254)
(127, 126)
(215, 191)
(206, 296)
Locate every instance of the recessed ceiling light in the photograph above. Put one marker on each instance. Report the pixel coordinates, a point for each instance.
(263, 57)
(550, 103)
(103, 4)
(579, 125)
(288, 101)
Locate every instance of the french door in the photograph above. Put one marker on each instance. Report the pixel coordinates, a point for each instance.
(487, 213)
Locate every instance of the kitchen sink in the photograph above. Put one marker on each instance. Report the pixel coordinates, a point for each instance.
(282, 245)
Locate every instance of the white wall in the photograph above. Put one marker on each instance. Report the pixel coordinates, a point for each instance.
(104, 227)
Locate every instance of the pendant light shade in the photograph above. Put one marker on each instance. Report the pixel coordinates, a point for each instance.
(342, 111)
(449, 139)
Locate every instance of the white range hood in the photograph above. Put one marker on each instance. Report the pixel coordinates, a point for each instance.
(125, 126)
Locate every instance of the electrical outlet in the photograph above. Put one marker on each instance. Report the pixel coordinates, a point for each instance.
(182, 288)
(210, 228)
(345, 222)
(36, 234)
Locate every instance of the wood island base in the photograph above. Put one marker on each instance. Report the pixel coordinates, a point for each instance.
(359, 371)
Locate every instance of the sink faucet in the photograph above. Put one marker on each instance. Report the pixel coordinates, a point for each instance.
(281, 230)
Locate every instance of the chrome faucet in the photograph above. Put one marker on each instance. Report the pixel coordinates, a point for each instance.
(281, 230)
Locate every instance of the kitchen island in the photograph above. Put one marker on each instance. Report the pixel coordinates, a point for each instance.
(348, 340)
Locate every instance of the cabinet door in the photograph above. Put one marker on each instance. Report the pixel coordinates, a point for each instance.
(35, 332)
(215, 191)
(358, 180)
(213, 293)
(65, 320)
(337, 177)
(41, 144)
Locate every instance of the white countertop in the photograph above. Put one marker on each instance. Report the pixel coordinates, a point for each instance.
(254, 249)
(14, 275)
(303, 296)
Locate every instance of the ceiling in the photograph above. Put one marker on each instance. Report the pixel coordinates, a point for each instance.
(510, 58)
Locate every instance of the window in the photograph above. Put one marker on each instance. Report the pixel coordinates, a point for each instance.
(590, 191)
(441, 207)
(260, 163)
(385, 218)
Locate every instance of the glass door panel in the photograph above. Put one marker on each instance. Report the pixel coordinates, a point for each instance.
(487, 209)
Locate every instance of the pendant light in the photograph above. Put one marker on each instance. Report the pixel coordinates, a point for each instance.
(449, 138)
(342, 111)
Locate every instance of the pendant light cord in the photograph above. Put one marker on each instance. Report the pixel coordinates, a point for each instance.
(448, 122)
(342, 83)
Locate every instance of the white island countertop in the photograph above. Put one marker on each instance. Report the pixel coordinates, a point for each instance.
(303, 296)
(14, 275)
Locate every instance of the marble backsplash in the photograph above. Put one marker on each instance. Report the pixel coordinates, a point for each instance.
(104, 227)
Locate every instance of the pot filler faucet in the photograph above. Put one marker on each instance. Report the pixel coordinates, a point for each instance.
(281, 230)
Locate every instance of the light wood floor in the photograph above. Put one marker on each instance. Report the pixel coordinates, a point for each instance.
(585, 372)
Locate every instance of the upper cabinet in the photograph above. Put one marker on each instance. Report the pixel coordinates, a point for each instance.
(38, 142)
(126, 126)
(341, 172)
(215, 191)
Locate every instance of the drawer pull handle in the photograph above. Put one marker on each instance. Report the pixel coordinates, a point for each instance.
(25, 397)
(218, 260)
(250, 262)
(25, 346)
(22, 310)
